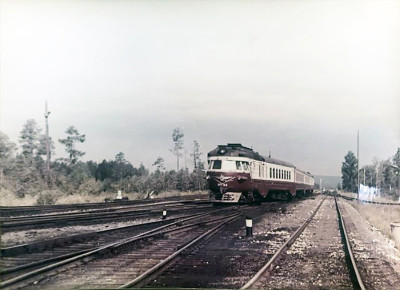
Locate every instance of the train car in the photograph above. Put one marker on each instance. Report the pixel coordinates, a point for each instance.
(238, 174)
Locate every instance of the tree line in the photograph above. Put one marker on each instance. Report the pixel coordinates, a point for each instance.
(382, 174)
(27, 169)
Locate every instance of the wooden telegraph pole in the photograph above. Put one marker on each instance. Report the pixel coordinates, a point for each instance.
(48, 152)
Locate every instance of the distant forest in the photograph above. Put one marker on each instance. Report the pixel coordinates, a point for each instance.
(384, 175)
(28, 169)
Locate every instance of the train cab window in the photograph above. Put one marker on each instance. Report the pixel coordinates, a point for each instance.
(217, 164)
(245, 165)
(239, 166)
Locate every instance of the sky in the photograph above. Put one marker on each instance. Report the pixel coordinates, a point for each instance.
(294, 78)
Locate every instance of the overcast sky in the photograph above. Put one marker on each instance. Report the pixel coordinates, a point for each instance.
(297, 78)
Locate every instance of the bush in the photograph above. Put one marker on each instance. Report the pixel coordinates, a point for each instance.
(48, 197)
(90, 186)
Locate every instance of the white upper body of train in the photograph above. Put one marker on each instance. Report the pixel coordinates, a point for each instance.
(271, 169)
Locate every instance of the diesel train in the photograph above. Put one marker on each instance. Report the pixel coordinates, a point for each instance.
(238, 174)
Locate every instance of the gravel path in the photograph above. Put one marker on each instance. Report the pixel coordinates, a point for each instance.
(316, 259)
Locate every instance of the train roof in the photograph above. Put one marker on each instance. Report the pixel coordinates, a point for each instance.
(237, 149)
(278, 162)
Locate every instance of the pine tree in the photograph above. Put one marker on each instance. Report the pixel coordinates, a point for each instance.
(7, 149)
(159, 164)
(196, 156)
(349, 172)
(29, 140)
(73, 137)
(177, 138)
(396, 158)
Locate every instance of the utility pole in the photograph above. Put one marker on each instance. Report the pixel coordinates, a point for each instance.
(364, 175)
(46, 116)
(358, 164)
(184, 161)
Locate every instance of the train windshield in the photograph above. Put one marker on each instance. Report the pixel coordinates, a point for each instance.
(242, 166)
(217, 164)
(229, 165)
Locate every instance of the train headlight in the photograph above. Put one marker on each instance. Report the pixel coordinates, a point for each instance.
(222, 151)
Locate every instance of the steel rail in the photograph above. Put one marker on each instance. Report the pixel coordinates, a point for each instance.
(92, 213)
(281, 250)
(356, 277)
(78, 212)
(9, 226)
(109, 247)
(15, 213)
(135, 282)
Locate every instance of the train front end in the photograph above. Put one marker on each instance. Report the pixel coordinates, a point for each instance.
(228, 175)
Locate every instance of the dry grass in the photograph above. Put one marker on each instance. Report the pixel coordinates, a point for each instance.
(8, 198)
(380, 216)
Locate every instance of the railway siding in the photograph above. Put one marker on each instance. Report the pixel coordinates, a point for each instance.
(316, 259)
(377, 259)
(115, 250)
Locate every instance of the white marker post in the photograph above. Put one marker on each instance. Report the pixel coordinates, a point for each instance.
(164, 214)
(249, 226)
(119, 195)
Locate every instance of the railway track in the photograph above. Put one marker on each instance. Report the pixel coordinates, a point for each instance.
(212, 251)
(307, 263)
(30, 255)
(141, 253)
(14, 211)
(97, 216)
